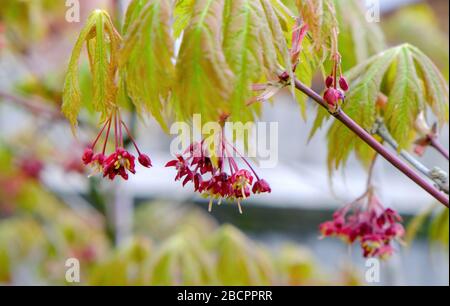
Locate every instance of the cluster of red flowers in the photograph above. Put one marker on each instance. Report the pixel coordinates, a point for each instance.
(333, 94)
(372, 225)
(121, 161)
(211, 179)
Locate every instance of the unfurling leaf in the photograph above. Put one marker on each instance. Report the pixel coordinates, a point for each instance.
(320, 15)
(146, 58)
(102, 42)
(204, 80)
(251, 49)
(72, 95)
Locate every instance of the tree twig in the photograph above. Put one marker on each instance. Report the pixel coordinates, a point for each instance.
(436, 174)
(374, 144)
(435, 144)
(32, 106)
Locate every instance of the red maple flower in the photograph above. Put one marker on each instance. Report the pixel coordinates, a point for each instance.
(261, 186)
(118, 163)
(367, 222)
(121, 161)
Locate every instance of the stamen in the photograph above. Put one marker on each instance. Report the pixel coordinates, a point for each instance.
(243, 192)
(210, 204)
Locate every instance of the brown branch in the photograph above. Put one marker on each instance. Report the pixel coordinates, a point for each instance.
(374, 144)
(35, 107)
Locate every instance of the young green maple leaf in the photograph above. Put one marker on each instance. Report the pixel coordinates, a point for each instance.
(412, 85)
(102, 42)
(146, 59)
(253, 44)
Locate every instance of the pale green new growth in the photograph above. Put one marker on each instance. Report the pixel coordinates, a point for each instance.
(146, 58)
(102, 43)
(251, 49)
(72, 95)
(204, 80)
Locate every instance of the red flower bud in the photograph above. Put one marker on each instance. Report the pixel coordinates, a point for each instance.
(88, 154)
(261, 186)
(331, 96)
(99, 158)
(329, 81)
(284, 76)
(144, 160)
(343, 83)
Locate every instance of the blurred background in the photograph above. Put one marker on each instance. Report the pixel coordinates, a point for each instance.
(150, 230)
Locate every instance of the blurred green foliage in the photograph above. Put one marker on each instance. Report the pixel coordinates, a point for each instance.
(419, 26)
(29, 21)
(172, 244)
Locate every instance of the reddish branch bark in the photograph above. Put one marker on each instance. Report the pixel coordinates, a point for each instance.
(435, 144)
(378, 147)
(35, 107)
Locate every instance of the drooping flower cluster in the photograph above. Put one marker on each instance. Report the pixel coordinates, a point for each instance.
(212, 179)
(336, 87)
(120, 162)
(372, 225)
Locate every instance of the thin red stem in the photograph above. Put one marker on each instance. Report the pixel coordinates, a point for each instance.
(116, 140)
(378, 147)
(244, 159)
(131, 137)
(120, 129)
(107, 136)
(231, 161)
(100, 134)
(435, 144)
